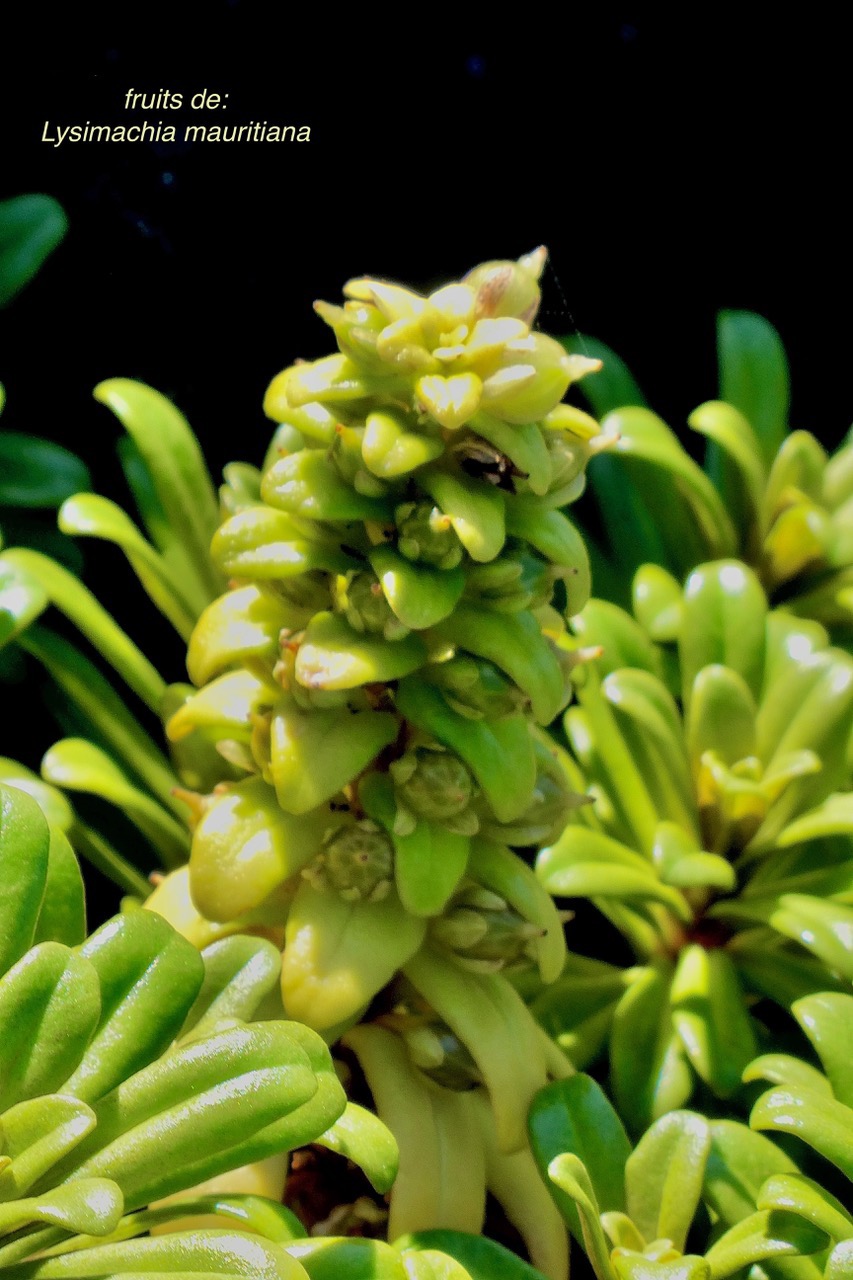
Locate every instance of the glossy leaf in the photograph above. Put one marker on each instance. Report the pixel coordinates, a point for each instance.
(663, 1176)
(574, 1116)
(180, 1256)
(149, 977)
(822, 1122)
(827, 1019)
(649, 1067)
(24, 860)
(483, 1259)
(360, 1136)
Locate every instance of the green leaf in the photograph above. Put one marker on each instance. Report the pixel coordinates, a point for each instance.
(663, 1176)
(822, 1122)
(731, 434)
(792, 1073)
(24, 860)
(762, 1237)
(710, 1015)
(623, 640)
(176, 465)
(826, 928)
(78, 765)
(63, 910)
(37, 473)
(57, 992)
(178, 1256)
(649, 1067)
(570, 1176)
(725, 612)
(220, 1101)
(796, 1194)
(754, 375)
(739, 1162)
(84, 611)
(36, 1134)
(238, 973)
(92, 1205)
(362, 1137)
(574, 1116)
(577, 1010)
(839, 1265)
(610, 387)
(31, 227)
(827, 1019)
(482, 1258)
(644, 436)
(587, 863)
(308, 483)
(91, 516)
(149, 977)
(332, 1258)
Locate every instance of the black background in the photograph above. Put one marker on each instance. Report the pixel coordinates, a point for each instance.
(673, 166)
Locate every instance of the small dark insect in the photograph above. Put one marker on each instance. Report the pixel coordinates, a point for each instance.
(483, 461)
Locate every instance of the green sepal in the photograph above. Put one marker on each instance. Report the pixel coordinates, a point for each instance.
(389, 450)
(149, 978)
(709, 1012)
(52, 989)
(261, 543)
(242, 624)
(825, 1124)
(475, 510)
(224, 707)
(514, 643)
(338, 954)
(429, 862)
(483, 1259)
(664, 1176)
(245, 846)
(524, 445)
(497, 868)
(309, 484)
(36, 1134)
(315, 753)
(420, 596)
(500, 753)
(334, 656)
(361, 1136)
(839, 1264)
(574, 1116)
(554, 536)
(24, 860)
(493, 1023)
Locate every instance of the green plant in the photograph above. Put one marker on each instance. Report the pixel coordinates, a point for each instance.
(771, 496)
(718, 841)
